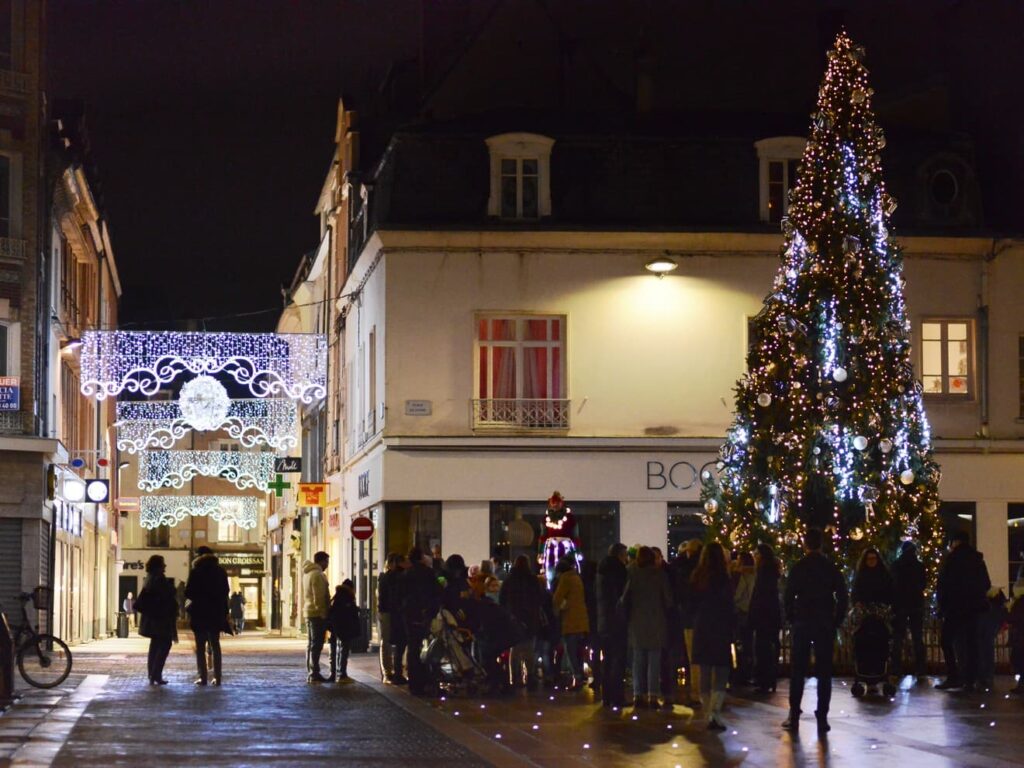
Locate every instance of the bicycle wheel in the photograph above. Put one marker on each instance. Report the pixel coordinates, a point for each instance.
(45, 662)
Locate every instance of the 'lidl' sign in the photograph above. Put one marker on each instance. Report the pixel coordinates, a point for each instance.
(10, 393)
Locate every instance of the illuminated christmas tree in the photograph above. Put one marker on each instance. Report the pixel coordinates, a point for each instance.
(830, 429)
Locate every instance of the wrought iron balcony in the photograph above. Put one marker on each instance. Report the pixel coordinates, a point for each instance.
(12, 249)
(15, 423)
(520, 414)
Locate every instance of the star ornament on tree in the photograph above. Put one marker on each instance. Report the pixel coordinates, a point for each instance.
(830, 429)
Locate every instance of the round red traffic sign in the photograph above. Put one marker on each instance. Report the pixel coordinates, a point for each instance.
(362, 528)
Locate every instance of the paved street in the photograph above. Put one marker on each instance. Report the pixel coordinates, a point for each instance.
(107, 715)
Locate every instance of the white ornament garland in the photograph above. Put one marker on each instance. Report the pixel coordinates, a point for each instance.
(172, 469)
(171, 510)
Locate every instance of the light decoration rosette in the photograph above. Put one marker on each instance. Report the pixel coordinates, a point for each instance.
(830, 429)
(155, 511)
(172, 469)
(253, 422)
(141, 362)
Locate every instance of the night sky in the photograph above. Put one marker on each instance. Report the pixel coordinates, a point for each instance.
(212, 122)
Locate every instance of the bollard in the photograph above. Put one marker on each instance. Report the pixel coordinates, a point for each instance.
(6, 662)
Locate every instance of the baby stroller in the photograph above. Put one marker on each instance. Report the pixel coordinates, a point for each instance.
(871, 654)
(448, 656)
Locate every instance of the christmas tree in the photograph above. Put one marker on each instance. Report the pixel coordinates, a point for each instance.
(830, 430)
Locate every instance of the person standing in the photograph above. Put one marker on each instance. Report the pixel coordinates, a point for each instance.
(909, 582)
(392, 632)
(685, 564)
(815, 602)
(742, 578)
(129, 609)
(646, 601)
(611, 626)
(343, 620)
(960, 596)
(421, 600)
(159, 608)
(571, 604)
(714, 623)
(765, 618)
(208, 590)
(237, 606)
(521, 595)
(1016, 622)
(317, 597)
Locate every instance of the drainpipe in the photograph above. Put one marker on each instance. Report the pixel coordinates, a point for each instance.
(99, 405)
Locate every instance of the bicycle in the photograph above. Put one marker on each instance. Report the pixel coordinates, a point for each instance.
(43, 659)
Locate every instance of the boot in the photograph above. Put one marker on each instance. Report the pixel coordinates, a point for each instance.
(823, 726)
(792, 723)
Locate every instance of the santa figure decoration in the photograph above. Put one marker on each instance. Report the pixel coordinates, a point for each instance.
(558, 539)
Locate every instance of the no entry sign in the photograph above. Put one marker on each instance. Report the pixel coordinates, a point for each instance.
(362, 528)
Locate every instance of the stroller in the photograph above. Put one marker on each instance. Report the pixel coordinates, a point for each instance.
(448, 657)
(871, 652)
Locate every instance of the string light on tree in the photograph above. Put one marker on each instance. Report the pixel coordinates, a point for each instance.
(829, 421)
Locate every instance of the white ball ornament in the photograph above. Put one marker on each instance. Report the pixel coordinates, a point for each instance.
(764, 399)
(705, 475)
(885, 445)
(839, 374)
(856, 534)
(860, 442)
(204, 403)
(907, 476)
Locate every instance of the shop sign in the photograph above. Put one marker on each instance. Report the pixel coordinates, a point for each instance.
(287, 464)
(133, 565)
(312, 494)
(418, 407)
(242, 559)
(10, 393)
(364, 484)
(334, 520)
(273, 522)
(679, 476)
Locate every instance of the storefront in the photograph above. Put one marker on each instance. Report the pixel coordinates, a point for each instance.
(132, 571)
(246, 572)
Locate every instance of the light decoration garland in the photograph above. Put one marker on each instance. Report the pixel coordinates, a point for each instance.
(830, 428)
(155, 511)
(253, 422)
(172, 469)
(140, 362)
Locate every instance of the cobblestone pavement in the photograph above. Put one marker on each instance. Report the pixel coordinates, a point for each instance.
(266, 714)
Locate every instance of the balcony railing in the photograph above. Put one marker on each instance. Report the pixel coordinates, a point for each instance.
(15, 423)
(12, 249)
(520, 414)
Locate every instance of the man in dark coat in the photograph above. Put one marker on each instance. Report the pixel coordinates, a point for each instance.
(682, 569)
(960, 595)
(392, 629)
(612, 625)
(815, 604)
(208, 590)
(420, 596)
(909, 582)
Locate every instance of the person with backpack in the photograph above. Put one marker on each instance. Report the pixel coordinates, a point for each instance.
(343, 621)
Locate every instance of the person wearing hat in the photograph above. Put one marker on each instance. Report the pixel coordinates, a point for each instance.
(558, 539)
(909, 583)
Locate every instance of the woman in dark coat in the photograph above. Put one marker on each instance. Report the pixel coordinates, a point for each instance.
(522, 595)
(158, 605)
(872, 584)
(714, 620)
(646, 601)
(765, 618)
(343, 619)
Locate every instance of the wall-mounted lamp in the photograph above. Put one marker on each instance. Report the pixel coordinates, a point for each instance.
(661, 266)
(68, 346)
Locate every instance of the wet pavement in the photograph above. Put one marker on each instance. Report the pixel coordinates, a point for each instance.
(107, 715)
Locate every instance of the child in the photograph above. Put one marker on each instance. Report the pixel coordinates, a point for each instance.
(343, 620)
(1016, 622)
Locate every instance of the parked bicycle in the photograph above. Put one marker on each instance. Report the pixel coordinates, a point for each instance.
(43, 659)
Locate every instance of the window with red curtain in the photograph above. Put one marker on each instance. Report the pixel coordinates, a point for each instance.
(520, 358)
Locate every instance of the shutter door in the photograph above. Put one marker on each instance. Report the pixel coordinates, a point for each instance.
(10, 565)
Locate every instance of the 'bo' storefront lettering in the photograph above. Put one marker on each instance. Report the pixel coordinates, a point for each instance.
(681, 475)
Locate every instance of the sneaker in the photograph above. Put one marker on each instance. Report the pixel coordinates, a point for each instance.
(823, 726)
(200, 681)
(948, 684)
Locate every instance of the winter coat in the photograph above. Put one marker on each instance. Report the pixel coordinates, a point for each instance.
(611, 583)
(316, 593)
(683, 567)
(571, 604)
(237, 606)
(873, 585)
(714, 620)
(343, 616)
(420, 596)
(909, 579)
(963, 583)
(743, 590)
(522, 595)
(158, 604)
(765, 614)
(646, 601)
(387, 591)
(816, 592)
(208, 590)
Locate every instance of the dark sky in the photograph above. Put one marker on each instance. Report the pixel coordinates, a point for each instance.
(212, 121)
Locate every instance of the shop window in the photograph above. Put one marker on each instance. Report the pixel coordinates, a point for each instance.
(516, 527)
(227, 530)
(685, 522)
(410, 524)
(159, 537)
(946, 357)
(1015, 537)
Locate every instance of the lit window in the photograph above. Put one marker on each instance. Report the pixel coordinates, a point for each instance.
(520, 176)
(946, 357)
(777, 160)
(227, 530)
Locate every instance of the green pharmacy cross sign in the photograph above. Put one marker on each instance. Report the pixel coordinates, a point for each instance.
(278, 486)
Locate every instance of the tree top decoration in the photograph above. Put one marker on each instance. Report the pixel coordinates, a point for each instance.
(830, 429)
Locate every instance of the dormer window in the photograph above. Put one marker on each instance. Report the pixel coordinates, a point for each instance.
(520, 176)
(777, 159)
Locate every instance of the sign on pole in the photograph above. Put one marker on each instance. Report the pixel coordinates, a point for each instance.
(312, 494)
(288, 464)
(362, 528)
